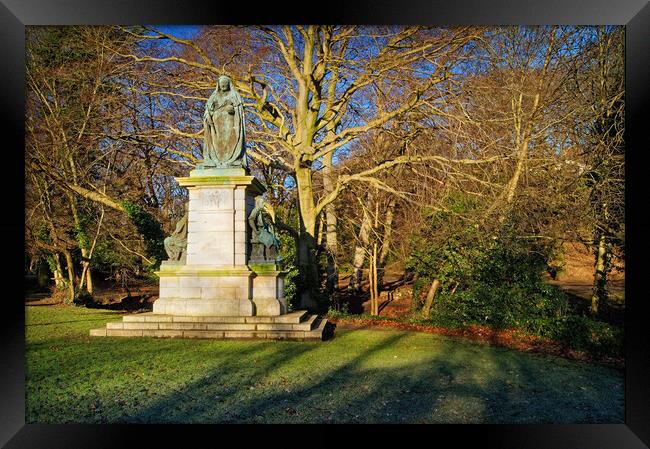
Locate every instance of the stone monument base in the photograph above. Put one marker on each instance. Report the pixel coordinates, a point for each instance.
(268, 289)
(205, 290)
(204, 307)
(292, 326)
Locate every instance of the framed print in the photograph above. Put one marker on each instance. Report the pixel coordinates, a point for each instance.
(248, 169)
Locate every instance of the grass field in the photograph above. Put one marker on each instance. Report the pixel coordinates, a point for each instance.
(361, 376)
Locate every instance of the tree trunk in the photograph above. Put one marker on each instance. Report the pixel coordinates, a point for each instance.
(87, 274)
(386, 240)
(308, 272)
(319, 232)
(435, 285)
(86, 279)
(85, 254)
(89, 280)
(58, 270)
(331, 237)
(71, 276)
(600, 275)
(360, 251)
(374, 286)
(371, 284)
(505, 199)
(307, 262)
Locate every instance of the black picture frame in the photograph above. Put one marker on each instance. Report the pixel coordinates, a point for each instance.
(16, 14)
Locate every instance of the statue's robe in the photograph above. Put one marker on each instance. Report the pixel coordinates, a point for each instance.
(224, 139)
(176, 244)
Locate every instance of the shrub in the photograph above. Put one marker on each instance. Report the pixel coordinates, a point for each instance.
(83, 298)
(150, 230)
(496, 281)
(290, 266)
(585, 334)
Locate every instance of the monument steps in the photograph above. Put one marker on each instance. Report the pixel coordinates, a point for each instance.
(289, 318)
(294, 326)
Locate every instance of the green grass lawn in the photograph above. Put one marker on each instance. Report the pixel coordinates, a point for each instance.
(368, 376)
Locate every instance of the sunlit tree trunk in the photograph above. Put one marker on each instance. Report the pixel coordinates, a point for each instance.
(386, 240)
(375, 284)
(360, 251)
(372, 279)
(85, 279)
(331, 224)
(600, 274)
(307, 239)
(431, 294)
(71, 276)
(58, 270)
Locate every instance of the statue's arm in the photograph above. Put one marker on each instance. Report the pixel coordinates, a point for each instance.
(238, 101)
(209, 105)
(181, 225)
(252, 219)
(239, 110)
(184, 221)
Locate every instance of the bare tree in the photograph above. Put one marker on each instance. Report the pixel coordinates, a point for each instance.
(599, 84)
(312, 94)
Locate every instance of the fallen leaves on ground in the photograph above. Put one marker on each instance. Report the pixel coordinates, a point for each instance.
(509, 338)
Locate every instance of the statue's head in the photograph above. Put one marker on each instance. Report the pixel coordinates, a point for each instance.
(223, 83)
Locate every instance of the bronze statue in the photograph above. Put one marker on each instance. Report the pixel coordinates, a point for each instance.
(176, 244)
(264, 240)
(224, 137)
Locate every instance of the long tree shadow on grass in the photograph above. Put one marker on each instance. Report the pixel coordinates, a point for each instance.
(138, 303)
(457, 383)
(245, 405)
(222, 385)
(146, 367)
(360, 376)
(63, 322)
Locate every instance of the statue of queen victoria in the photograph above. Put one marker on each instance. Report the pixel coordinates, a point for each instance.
(224, 138)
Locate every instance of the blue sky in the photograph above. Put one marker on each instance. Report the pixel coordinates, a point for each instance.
(182, 31)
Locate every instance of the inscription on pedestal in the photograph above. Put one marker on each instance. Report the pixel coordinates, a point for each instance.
(211, 199)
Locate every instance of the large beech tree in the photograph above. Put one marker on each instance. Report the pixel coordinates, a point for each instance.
(314, 90)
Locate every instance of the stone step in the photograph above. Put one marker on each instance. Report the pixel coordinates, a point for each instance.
(289, 318)
(306, 325)
(315, 333)
(309, 324)
(319, 331)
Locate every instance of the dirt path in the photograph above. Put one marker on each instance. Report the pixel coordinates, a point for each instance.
(584, 288)
(106, 296)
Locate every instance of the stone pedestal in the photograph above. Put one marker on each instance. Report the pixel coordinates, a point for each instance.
(216, 279)
(218, 291)
(205, 290)
(268, 289)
